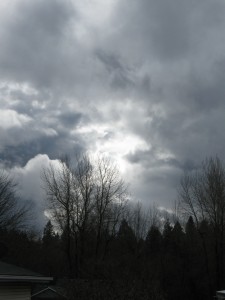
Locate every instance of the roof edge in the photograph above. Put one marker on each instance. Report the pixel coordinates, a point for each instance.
(24, 278)
(48, 288)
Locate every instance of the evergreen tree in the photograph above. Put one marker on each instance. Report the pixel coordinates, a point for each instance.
(126, 237)
(167, 234)
(153, 241)
(48, 234)
(178, 240)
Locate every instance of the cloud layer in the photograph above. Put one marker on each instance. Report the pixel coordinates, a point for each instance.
(142, 81)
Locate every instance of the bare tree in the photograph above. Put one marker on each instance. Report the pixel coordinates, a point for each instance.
(13, 214)
(154, 216)
(138, 220)
(86, 194)
(69, 195)
(202, 196)
(58, 186)
(110, 197)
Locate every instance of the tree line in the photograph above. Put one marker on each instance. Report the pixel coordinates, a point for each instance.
(110, 248)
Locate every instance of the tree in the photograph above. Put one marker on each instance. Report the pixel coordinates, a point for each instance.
(153, 241)
(110, 193)
(138, 219)
(202, 195)
(84, 196)
(52, 254)
(127, 238)
(48, 234)
(13, 215)
(167, 234)
(178, 238)
(60, 195)
(153, 250)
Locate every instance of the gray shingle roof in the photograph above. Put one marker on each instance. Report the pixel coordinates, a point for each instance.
(48, 293)
(11, 273)
(8, 269)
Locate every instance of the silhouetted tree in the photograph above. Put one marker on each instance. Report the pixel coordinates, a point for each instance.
(48, 234)
(13, 214)
(153, 241)
(110, 192)
(126, 237)
(84, 196)
(202, 196)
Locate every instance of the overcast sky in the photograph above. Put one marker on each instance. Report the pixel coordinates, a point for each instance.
(139, 80)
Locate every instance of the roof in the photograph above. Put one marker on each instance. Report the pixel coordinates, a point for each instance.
(12, 273)
(48, 293)
(8, 269)
(221, 292)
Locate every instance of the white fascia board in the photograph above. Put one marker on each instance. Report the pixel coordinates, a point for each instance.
(23, 278)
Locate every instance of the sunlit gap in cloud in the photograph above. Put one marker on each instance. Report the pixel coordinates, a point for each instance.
(115, 145)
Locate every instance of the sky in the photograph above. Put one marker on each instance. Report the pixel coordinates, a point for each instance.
(141, 81)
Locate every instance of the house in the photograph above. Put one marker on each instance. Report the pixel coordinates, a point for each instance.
(220, 295)
(16, 283)
(48, 294)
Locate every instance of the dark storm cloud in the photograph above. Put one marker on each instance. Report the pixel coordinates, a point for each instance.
(119, 74)
(32, 41)
(180, 46)
(166, 30)
(146, 82)
(207, 91)
(71, 119)
(20, 144)
(165, 27)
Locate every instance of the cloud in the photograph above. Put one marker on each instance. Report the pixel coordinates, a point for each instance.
(32, 39)
(30, 185)
(10, 118)
(143, 82)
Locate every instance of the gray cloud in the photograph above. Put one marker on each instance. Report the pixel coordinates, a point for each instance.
(33, 41)
(145, 85)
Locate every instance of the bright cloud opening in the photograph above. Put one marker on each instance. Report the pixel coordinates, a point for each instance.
(115, 145)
